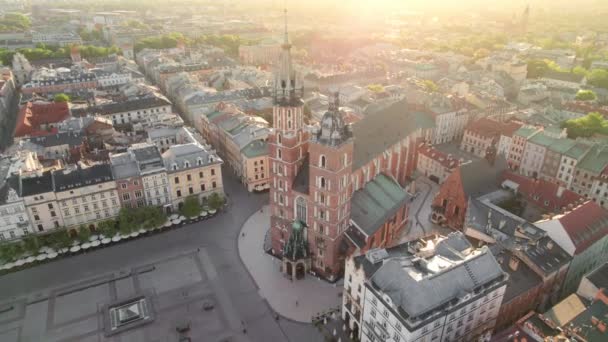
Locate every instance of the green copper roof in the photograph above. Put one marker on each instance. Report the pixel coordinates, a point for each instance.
(238, 128)
(577, 151)
(377, 202)
(561, 145)
(213, 115)
(542, 139)
(525, 132)
(596, 160)
(255, 149)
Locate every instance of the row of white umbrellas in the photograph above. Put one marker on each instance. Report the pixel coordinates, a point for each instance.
(94, 241)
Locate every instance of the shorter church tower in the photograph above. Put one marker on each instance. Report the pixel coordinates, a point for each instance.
(330, 157)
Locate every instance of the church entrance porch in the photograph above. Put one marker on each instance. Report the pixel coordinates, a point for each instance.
(296, 260)
(294, 270)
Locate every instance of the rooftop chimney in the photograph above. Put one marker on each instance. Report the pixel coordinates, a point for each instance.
(560, 191)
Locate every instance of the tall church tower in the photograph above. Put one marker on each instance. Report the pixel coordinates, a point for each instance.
(288, 147)
(331, 154)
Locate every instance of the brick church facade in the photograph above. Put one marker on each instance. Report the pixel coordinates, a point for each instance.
(336, 187)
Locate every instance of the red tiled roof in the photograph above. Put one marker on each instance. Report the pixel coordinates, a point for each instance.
(33, 115)
(543, 193)
(585, 225)
(585, 107)
(490, 128)
(440, 157)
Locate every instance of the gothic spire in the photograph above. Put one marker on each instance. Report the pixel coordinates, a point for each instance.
(286, 90)
(286, 41)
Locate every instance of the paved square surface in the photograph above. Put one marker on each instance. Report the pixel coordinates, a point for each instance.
(61, 300)
(298, 300)
(179, 286)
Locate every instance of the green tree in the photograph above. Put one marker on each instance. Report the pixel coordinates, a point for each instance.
(61, 97)
(588, 125)
(579, 70)
(598, 78)
(191, 207)
(84, 234)
(57, 240)
(586, 95)
(11, 251)
(107, 228)
(430, 86)
(216, 201)
(14, 22)
(31, 244)
(375, 88)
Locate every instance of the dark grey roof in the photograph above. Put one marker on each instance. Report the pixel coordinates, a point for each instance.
(377, 132)
(480, 177)
(520, 280)
(564, 76)
(70, 179)
(415, 298)
(369, 267)
(147, 156)
(503, 226)
(300, 183)
(599, 276)
(129, 105)
(355, 236)
(37, 185)
(71, 139)
(11, 182)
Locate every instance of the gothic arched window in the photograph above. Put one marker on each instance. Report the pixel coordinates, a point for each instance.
(279, 138)
(322, 161)
(301, 209)
(322, 182)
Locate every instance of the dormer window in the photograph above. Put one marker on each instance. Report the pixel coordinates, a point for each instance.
(174, 167)
(186, 164)
(199, 162)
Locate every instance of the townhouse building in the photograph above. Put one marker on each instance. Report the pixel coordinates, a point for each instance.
(583, 233)
(486, 134)
(264, 53)
(40, 202)
(518, 144)
(137, 109)
(435, 164)
(241, 140)
(444, 290)
(535, 151)
(45, 81)
(587, 178)
(536, 264)
(153, 174)
(14, 221)
(86, 195)
(192, 171)
(568, 162)
(129, 185)
(255, 167)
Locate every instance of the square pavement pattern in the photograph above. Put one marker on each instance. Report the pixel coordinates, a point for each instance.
(176, 291)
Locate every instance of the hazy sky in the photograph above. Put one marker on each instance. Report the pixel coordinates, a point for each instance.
(443, 4)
